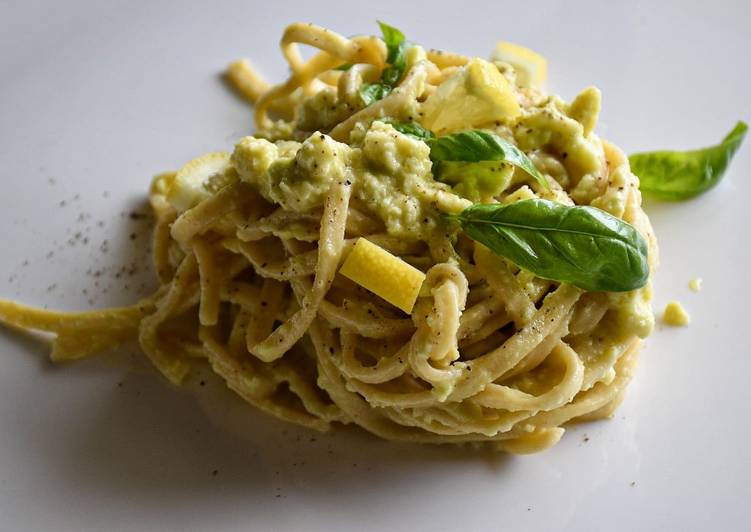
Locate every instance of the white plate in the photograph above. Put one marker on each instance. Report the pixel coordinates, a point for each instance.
(96, 98)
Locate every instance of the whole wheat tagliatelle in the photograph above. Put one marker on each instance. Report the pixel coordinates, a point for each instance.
(248, 248)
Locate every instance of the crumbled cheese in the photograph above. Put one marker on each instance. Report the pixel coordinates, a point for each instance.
(675, 315)
(695, 284)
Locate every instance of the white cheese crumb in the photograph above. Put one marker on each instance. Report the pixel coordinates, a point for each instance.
(675, 315)
(695, 284)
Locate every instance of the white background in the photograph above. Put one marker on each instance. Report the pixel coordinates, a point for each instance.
(96, 97)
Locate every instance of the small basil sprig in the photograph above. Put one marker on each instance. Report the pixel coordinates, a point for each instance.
(478, 146)
(472, 158)
(372, 92)
(584, 246)
(396, 46)
(678, 175)
(412, 129)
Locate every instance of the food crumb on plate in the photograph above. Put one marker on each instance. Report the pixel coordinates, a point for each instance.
(695, 284)
(675, 315)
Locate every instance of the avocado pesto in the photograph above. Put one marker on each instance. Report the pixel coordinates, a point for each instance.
(389, 171)
(409, 177)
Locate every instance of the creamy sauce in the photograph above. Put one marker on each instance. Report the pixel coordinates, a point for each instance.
(392, 175)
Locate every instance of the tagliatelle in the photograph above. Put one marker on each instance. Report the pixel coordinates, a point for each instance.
(248, 258)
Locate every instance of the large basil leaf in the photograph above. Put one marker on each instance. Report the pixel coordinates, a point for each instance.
(584, 246)
(678, 175)
(475, 146)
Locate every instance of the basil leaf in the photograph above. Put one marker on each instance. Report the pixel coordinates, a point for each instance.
(413, 129)
(475, 146)
(394, 40)
(396, 46)
(372, 92)
(391, 75)
(678, 175)
(584, 246)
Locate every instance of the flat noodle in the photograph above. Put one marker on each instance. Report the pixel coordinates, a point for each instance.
(396, 104)
(336, 50)
(330, 248)
(78, 334)
(255, 386)
(245, 80)
(171, 364)
(489, 355)
(444, 60)
(208, 311)
(198, 220)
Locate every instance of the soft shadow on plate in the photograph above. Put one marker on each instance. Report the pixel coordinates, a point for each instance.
(150, 443)
(144, 442)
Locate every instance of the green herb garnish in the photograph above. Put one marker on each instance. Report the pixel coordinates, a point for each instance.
(477, 146)
(678, 175)
(584, 246)
(396, 45)
(475, 163)
(372, 92)
(412, 129)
